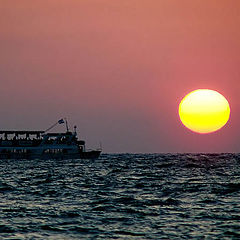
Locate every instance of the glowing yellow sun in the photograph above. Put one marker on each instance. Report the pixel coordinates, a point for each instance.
(204, 111)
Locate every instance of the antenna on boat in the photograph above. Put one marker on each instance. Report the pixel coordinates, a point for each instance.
(66, 124)
(58, 122)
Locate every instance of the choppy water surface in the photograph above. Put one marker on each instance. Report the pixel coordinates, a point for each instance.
(126, 196)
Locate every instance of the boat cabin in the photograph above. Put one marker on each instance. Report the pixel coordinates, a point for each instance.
(20, 138)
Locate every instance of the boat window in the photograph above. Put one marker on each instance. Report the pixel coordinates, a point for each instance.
(53, 150)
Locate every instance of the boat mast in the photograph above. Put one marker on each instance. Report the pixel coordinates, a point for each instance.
(66, 124)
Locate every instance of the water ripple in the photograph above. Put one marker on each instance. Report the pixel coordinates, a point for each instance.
(122, 196)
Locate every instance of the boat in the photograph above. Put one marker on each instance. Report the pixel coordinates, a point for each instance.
(44, 145)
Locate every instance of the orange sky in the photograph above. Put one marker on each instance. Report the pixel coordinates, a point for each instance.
(118, 69)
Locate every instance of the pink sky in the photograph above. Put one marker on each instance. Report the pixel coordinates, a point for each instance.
(118, 69)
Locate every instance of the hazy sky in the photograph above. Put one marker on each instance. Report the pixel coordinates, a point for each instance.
(118, 69)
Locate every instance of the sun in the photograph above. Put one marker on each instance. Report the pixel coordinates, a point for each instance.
(204, 111)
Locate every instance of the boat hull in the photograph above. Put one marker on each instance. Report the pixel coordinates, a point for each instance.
(81, 155)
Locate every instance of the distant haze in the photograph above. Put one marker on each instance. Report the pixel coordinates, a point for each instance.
(119, 69)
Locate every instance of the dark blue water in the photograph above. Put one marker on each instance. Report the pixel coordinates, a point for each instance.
(150, 196)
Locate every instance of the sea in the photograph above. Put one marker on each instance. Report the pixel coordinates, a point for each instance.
(122, 196)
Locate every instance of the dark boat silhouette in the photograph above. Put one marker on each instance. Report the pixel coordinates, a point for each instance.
(43, 145)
